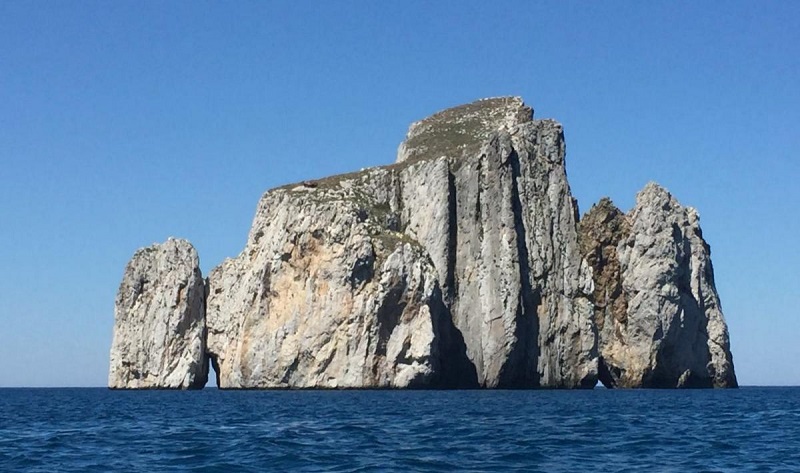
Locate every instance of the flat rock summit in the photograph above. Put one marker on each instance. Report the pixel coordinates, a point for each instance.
(462, 265)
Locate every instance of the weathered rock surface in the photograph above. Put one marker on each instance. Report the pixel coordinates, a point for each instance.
(159, 321)
(461, 131)
(474, 231)
(602, 230)
(324, 296)
(657, 310)
(507, 251)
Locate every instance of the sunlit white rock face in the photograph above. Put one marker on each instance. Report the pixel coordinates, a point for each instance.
(324, 297)
(657, 310)
(507, 250)
(159, 321)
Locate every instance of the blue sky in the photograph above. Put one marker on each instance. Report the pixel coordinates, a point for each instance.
(124, 123)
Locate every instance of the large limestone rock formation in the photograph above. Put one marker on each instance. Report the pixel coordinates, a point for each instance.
(657, 310)
(459, 265)
(159, 321)
(389, 277)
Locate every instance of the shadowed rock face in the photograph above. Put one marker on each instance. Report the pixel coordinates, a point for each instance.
(657, 311)
(159, 321)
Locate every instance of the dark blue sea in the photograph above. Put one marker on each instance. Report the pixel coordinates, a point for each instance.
(86, 430)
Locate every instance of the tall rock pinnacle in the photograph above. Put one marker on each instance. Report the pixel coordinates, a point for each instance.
(159, 326)
(657, 310)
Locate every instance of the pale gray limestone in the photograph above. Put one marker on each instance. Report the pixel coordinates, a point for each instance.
(159, 321)
(658, 312)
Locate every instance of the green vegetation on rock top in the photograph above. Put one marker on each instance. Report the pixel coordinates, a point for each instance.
(463, 129)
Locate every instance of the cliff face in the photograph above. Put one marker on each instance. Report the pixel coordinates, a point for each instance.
(159, 321)
(506, 243)
(325, 295)
(657, 310)
(458, 266)
(469, 248)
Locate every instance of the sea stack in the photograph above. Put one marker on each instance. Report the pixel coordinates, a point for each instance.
(460, 265)
(657, 310)
(159, 321)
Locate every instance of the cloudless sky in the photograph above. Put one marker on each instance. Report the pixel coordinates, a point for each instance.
(123, 123)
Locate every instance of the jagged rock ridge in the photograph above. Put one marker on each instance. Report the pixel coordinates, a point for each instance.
(457, 266)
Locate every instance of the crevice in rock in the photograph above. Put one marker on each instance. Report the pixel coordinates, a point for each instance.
(287, 375)
(520, 369)
(451, 281)
(207, 358)
(479, 187)
(457, 371)
(389, 314)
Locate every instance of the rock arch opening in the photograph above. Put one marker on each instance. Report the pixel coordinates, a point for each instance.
(604, 375)
(212, 372)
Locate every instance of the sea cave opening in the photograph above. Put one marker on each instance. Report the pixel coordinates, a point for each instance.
(604, 375)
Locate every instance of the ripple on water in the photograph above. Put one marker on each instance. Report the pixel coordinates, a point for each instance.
(751, 429)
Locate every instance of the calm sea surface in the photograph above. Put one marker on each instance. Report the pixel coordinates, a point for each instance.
(750, 429)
